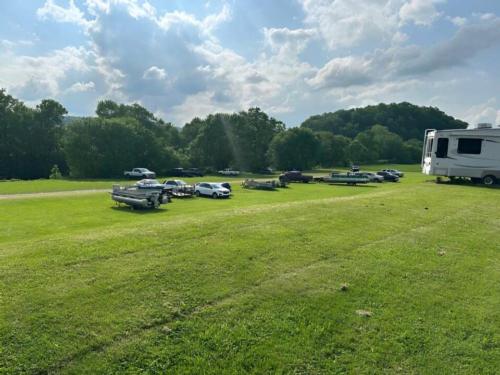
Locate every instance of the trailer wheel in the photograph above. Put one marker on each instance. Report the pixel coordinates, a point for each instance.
(489, 180)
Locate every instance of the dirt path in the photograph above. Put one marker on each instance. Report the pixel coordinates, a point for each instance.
(52, 194)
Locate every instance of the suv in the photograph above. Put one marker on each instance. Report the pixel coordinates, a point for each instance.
(294, 176)
(211, 189)
(140, 173)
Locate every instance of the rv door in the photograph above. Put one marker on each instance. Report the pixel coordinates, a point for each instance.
(427, 151)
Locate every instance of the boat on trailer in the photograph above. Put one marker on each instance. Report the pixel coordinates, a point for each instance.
(137, 197)
(348, 178)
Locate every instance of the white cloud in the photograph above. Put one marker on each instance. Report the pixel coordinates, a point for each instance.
(457, 21)
(43, 75)
(288, 41)
(71, 14)
(399, 37)
(155, 73)
(420, 12)
(346, 23)
(488, 112)
(173, 63)
(82, 87)
(406, 62)
(343, 72)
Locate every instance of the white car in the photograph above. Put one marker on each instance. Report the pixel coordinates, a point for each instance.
(211, 189)
(229, 172)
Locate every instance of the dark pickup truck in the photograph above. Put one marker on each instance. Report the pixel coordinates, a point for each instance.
(295, 176)
(189, 172)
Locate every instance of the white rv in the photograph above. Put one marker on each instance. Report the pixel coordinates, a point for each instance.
(472, 153)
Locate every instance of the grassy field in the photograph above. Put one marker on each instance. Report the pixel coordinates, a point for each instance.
(45, 186)
(253, 284)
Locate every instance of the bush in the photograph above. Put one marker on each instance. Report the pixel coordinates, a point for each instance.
(55, 173)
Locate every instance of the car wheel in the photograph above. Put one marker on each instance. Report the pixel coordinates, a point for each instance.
(489, 180)
(214, 196)
(197, 193)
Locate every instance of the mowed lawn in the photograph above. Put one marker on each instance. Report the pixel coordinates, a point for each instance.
(253, 284)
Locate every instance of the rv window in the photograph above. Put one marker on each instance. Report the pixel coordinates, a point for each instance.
(469, 146)
(442, 148)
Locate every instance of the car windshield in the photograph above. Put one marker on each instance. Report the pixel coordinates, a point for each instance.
(142, 170)
(216, 186)
(181, 182)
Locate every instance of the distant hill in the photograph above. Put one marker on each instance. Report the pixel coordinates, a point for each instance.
(69, 119)
(405, 119)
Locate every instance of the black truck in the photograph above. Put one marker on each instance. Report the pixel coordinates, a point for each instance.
(294, 176)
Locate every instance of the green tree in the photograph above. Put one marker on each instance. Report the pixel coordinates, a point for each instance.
(332, 149)
(212, 147)
(29, 138)
(99, 147)
(251, 132)
(295, 148)
(358, 153)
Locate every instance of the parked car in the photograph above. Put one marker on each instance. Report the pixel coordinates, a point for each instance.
(354, 168)
(388, 176)
(229, 172)
(373, 176)
(140, 173)
(189, 172)
(211, 189)
(227, 185)
(294, 176)
(394, 171)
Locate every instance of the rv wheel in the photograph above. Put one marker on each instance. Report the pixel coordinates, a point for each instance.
(489, 180)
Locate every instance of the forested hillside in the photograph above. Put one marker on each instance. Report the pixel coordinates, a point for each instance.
(404, 119)
(122, 136)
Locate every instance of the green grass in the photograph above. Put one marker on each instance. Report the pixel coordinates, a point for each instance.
(252, 284)
(45, 186)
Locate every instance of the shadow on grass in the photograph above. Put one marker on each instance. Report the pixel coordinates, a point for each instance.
(466, 184)
(358, 186)
(139, 211)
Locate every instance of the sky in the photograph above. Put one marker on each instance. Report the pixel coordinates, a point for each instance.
(291, 58)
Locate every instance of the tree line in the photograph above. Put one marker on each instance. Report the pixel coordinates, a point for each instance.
(122, 136)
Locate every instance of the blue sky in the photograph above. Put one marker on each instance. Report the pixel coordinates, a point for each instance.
(294, 58)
